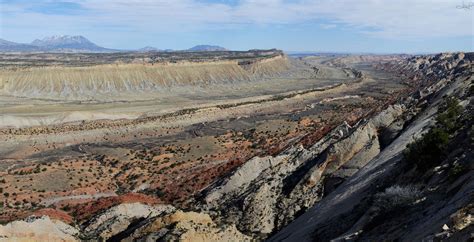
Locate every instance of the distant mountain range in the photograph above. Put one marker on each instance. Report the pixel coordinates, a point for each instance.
(57, 43)
(148, 49)
(193, 49)
(6, 45)
(207, 48)
(153, 49)
(67, 43)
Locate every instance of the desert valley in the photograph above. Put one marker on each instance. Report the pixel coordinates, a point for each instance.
(235, 146)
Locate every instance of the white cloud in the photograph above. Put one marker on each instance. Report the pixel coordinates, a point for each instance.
(402, 18)
(381, 18)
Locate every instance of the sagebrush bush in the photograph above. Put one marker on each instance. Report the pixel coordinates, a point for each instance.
(396, 197)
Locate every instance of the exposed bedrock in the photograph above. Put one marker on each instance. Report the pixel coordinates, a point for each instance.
(126, 222)
(119, 218)
(38, 229)
(392, 198)
(268, 192)
(90, 82)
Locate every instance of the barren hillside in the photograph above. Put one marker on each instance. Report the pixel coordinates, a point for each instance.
(114, 81)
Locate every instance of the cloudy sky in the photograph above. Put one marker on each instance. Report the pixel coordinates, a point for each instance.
(383, 26)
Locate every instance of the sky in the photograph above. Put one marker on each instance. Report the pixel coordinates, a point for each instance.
(357, 26)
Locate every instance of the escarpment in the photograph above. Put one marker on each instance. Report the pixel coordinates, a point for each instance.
(113, 81)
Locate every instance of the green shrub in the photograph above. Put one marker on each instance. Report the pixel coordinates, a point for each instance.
(430, 149)
(471, 90)
(457, 170)
(449, 112)
(160, 193)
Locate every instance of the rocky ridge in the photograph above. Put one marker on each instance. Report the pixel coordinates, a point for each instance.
(357, 210)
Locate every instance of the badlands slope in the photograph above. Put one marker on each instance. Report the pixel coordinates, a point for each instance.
(59, 89)
(107, 82)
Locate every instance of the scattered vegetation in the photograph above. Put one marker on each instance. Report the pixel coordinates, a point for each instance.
(457, 169)
(396, 197)
(430, 149)
(471, 89)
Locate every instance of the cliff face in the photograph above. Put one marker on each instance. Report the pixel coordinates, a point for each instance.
(115, 80)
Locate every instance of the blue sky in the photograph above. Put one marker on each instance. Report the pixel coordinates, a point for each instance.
(377, 26)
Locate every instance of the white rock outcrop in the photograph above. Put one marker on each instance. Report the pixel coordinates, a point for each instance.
(118, 218)
(38, 229)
